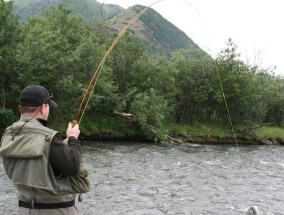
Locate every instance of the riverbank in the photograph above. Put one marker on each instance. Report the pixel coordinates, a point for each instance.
(238, 140)
(184, 134)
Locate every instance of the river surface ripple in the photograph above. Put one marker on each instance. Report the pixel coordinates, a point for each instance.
(154, 179)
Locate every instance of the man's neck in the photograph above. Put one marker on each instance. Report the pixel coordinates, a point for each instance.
(28, 117)
(43, 122)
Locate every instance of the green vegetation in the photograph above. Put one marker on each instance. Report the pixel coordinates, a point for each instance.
(271, 132)
(7, 117)
(199, 130)
(137, 95)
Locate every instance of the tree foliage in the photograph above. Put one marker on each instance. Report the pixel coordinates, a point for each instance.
(59, 51)
(9, 30)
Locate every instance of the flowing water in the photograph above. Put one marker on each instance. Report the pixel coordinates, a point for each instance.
(154, 179)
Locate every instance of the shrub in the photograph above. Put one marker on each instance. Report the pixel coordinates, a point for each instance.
(7, 117)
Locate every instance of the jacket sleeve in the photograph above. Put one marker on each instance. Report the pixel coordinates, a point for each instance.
(65, 159)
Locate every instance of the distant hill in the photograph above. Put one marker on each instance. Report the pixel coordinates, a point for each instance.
(153, 29)
(158, 33)
(91, 10)
(27, 8)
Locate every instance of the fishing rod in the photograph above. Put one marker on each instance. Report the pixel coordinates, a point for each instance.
(88, 93)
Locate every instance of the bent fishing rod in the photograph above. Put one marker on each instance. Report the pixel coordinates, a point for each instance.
(88, 93)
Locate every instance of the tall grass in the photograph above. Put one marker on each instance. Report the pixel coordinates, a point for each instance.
(220, 132)
(199, 130)
(270, 132)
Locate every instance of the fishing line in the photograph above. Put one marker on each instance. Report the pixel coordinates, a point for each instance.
(226, 104)
(220, 81)
(200, 16)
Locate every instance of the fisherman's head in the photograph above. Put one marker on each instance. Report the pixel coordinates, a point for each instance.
(35, 98)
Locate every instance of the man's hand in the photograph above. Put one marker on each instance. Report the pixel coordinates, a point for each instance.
(73, 130)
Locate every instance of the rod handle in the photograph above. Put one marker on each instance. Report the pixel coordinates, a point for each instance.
(74, 122)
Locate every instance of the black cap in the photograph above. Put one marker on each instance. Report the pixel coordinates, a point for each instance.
(36, 95)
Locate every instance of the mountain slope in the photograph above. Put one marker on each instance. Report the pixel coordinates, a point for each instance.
(91, 10)
(27, 8)
(158, 33)
(153, 29)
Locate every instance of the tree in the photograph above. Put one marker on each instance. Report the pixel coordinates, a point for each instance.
(152, 86)
(150, 110)
(59, 51)
(123, 59)
(247, 92)
(275, 101)
(9, 30)
(193, 76)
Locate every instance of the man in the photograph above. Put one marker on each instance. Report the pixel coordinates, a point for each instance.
(37, 159)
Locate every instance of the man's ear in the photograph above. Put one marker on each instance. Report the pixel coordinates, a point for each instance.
(41, 108)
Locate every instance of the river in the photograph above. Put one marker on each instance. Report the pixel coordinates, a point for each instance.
(156, 179)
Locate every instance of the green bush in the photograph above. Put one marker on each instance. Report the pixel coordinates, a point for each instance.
(7, 117)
